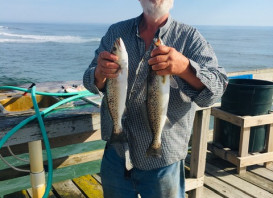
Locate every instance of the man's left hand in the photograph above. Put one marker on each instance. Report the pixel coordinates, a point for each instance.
(166, 60)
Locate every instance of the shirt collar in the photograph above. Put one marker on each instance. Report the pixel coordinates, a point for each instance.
(161, 31)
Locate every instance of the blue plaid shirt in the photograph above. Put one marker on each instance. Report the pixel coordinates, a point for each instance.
(183, 101)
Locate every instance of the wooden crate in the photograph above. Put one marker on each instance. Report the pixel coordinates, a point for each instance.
(242, 158)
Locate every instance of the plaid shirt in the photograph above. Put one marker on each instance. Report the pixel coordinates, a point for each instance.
(183, 101)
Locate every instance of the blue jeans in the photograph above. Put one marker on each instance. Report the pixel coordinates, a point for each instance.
(166, 182)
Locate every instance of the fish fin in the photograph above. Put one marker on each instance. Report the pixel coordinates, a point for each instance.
(118, 138)
(154, 152)
(173, 82)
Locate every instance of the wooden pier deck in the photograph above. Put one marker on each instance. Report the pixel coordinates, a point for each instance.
(221, 180)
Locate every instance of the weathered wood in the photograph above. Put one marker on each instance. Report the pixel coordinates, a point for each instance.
(56, 125)
(89, 186)
(198, 151)
(258, 181)
(62, 162)
(207, 193)
(245, 122)
(78, 158)
(243, 147)
(67, 189)
(61, 174)
(56, 142)
(255, 159)
(255, 179)
(236, 182)
(225, 154)
(269, 143)
(223, 188)
(223, 115)
(262, 172)
(194, 183)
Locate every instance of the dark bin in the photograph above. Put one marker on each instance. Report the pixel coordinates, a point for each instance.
(246, 97)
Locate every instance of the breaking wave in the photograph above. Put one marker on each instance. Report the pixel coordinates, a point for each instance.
(29, 38)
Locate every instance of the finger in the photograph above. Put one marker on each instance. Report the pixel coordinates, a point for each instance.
(160, 66)
(108, 56)
(107, 75)
(160, 50)
(162, 72)
(108, 64)
(107, 70)
(157, 59)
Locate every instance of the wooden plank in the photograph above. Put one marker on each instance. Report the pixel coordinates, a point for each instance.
(199, 148)
(61, 174)
(223, 188)
(258, 120)
(242, 121)
(193, 183)
(67, 189)
(258, 181)
(255, 159)
(262, 172)
(207, 193)
(199, 143)
(269, 143)
(224, 154)
(255, 179)
(57, 142)
(223, 115)
(97, 177)
(243, 147)
(236, 182)
(76, 124)
(76, 159)
(89, 186)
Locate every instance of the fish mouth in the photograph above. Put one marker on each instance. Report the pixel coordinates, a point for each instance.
(157, 43)
(118, 42)
(116, 46)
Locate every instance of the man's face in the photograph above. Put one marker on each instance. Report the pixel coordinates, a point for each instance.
(156, 8)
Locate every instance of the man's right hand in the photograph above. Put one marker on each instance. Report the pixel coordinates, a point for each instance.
(106, 68)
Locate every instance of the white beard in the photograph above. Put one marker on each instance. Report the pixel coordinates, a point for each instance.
(156, 9)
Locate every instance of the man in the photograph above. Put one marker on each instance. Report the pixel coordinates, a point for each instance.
(191, 61)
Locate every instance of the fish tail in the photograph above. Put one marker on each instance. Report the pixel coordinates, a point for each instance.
(154, 152)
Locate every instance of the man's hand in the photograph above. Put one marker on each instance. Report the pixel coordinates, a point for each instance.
(167, 60)
(106, 68)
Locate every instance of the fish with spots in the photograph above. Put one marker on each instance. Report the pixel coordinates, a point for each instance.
(116, 91)
(157, 106)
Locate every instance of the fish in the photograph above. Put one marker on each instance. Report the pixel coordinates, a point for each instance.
(116, 92)
(157, 106)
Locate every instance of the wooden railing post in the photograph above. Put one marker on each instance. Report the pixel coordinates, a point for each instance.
(199, 149)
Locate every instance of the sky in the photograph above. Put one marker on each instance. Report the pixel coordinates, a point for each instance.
(193, 12)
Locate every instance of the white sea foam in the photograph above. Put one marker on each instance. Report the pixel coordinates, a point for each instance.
(29, 38)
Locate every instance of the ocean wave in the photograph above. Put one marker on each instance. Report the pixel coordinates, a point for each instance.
(29, 38)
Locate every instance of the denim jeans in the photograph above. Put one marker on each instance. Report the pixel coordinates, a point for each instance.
(166, 182)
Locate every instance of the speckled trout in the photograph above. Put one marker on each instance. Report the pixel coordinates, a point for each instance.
(116, 91)
(157, 106)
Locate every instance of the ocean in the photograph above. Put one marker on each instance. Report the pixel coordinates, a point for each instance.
(62, 52)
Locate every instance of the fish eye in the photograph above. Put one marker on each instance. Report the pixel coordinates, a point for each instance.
(114, 49)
